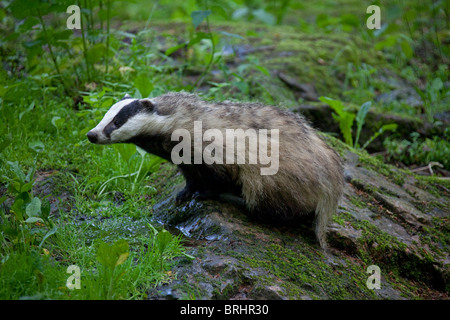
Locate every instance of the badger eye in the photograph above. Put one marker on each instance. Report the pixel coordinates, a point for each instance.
(116, 123)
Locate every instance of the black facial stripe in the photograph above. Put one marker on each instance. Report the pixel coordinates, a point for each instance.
(122, 117)
(128, 112)
(108, 129)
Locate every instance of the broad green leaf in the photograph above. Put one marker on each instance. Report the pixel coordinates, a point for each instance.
(5, 141)
(344, 118)
(264, 16)
(17, 208)
(125, 150)
(362, 112)
(14, 167)
(13, 186)
(111, 256)
(121, 249)
(263, 70)
(174, 48)
(198, 37)
(122, 257)
(34, 207)
(33, 220)
(345, 124)
(386, 43)
(360, 118)
(30, 174)
(37, 146)
(389, 127)
(104, 255)
(337, 105)
(26, 187)
(437, 84)
(143, 84)
(239, 13)
(199, 16)
(25, 196)
(57, 122)
(164, 238)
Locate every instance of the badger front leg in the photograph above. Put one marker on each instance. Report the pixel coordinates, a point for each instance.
(203, 182)
(196, 185)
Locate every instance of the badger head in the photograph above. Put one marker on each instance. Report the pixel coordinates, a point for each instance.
(125, 120)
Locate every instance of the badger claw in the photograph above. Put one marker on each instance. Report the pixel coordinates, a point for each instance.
(187, 194)
(183, 195)
(203, 195)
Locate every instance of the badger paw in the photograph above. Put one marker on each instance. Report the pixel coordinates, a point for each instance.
(204, 194)
(187, 194)
(183, 195)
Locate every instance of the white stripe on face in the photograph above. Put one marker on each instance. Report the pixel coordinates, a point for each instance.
(144, 123)
(109, 116)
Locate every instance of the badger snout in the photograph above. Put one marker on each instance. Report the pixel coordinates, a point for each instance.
(92, 136)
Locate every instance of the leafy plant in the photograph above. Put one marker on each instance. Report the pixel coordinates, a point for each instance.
(126, 152)
(419, 151)
(251, 12)
(110, 257)
(162, 239)
(27, 220)
(435, 96)
(346, 118)
(343, 117)
(360, 118)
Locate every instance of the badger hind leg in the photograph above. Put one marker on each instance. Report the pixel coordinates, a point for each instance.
(288, 216)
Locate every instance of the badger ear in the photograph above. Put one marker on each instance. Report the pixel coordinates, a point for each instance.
(147, 104)
(126, 96)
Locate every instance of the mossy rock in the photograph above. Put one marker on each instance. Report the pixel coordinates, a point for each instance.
(386, 219)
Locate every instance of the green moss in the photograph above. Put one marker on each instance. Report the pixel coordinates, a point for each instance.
(394, 174)
(342, 217)
(302, 271)
(338, 145)
(377, 246)
(435, 185)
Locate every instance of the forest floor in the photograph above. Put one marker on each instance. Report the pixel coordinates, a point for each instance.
(107, 210)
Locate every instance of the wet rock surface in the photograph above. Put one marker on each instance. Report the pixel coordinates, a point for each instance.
(387, 218)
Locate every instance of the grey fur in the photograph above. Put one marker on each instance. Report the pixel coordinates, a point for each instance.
(310, 175)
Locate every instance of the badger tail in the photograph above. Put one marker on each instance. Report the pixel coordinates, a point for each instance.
(325, 209)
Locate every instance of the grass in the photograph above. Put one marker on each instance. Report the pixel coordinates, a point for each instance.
(61, 198)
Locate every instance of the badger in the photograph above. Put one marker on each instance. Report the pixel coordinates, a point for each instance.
(308, 179)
